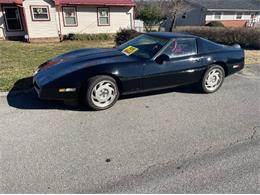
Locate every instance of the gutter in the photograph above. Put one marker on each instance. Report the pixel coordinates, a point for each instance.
(234, 10)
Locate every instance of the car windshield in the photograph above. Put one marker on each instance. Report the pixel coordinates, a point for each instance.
(144, 46)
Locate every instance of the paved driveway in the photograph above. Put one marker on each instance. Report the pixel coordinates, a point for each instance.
(179, 141)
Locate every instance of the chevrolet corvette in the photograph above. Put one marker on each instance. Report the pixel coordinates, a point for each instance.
(151, 61)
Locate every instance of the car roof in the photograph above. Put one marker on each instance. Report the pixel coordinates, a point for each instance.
(170, 35)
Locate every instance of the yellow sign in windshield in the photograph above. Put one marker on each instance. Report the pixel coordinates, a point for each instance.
(130, 50)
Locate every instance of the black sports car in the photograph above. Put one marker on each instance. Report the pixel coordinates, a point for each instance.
(149, 62)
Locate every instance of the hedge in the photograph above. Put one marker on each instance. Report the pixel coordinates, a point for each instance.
(248, 38)
(215, 24)
(89, 37)
(125, 35)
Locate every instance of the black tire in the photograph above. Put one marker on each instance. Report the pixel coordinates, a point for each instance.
(204, 86)
(92, 82)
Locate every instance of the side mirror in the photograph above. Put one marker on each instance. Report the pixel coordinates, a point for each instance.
(161, 59)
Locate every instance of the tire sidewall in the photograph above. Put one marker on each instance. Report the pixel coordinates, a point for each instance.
(203, 83)
(91, 84)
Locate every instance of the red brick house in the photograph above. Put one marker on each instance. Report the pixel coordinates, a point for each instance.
(232, 13)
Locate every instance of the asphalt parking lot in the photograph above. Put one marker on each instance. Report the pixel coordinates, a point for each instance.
(179, 141)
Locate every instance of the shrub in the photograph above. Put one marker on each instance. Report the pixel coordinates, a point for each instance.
(89, 37)
(125, 35)
(215, 24)
(247, 38)
(151, 15)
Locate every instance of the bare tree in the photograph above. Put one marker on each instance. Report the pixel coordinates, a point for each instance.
(178, 9)
(171, 9)
(174, 9)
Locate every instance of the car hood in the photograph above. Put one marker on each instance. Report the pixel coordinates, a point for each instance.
(76, 60)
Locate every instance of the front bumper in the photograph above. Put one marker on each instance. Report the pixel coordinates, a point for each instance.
(49, 93)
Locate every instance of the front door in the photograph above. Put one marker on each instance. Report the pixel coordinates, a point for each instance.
(183, 67)
(12, 18)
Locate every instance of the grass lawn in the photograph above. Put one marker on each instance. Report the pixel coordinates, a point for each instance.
(252, 57)
(19, 60)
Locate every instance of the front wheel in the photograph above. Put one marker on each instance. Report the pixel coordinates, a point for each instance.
(101, 93)
(213, 79)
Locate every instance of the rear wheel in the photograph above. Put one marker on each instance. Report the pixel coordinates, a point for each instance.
(101, 93)
(213, 79)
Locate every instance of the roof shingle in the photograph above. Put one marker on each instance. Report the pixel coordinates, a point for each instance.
(96, 2)
(11, 1)
(229, 4)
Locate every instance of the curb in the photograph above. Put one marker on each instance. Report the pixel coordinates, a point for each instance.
(19, 92)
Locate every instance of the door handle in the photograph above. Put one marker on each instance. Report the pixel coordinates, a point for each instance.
(195, 60)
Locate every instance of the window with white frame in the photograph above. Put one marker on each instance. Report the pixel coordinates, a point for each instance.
(103, 17)
(239, 16)
(217, 15)
(70, 16)
(40, 13)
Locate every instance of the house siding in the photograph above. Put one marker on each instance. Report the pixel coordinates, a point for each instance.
(234, 23)
(120, 17)
(41, 29)
(227, 15)
(228, 18)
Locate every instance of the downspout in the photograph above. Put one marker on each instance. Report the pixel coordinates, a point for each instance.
(58, 4)
(134, 15)
(60, 31)
(25, 23)
(3, 30)
(132, 19)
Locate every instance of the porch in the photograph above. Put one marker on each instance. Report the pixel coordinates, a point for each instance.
(12, 22)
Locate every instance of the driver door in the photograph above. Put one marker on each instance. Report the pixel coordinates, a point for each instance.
(181, 69)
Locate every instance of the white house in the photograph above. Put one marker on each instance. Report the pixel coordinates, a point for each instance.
(51, 19)
(232, 13)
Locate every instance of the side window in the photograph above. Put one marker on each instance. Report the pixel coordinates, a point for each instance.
(239, 16)
(217, 15)
(40, 13)
(181, 47)
(70, 16)
(103, 17)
